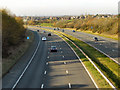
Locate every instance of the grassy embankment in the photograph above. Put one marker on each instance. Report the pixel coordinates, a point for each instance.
(17, 52)
(105, 64)
(47, 24)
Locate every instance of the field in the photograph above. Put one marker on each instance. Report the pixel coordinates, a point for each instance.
(46, 24)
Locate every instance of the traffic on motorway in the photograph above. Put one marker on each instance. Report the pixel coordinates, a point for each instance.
(52, 65)
(107, 46)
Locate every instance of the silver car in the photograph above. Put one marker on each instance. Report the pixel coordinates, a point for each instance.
(44, 38)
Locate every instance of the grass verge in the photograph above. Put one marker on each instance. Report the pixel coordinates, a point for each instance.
(17, 52)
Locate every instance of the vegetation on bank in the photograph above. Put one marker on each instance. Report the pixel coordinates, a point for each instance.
(14, 42)
(99, 25)
(105, 64)
(13, 32)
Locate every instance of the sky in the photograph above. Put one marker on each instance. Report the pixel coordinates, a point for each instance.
(60, 7)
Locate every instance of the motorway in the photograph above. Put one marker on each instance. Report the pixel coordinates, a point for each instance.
(61, 69)
(106, 45)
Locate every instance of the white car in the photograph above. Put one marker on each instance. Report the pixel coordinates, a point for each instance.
(44, 38)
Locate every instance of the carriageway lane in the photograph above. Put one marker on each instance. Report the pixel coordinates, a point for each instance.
(34, 74)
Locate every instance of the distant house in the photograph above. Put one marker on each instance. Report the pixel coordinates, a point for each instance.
(104, 16)
(73, 17)
(51, 17)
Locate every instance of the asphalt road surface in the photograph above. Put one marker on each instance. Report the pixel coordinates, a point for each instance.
(60, 69)
(106, 45)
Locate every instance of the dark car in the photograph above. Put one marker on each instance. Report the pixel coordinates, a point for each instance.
(53, 49)
(37, 30)
(44, 31)
(95, 38)
(73, 30)
(54, 29)
(63, 30)
(49, 34)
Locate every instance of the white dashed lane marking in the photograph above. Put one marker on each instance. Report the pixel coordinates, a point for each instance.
(42, 85)
(63, 56)
(48, 57)
(64, 62)
(69, 85)
(46, 63)
(66, 71)
(113, 50)
(45, 72)
(105, 47)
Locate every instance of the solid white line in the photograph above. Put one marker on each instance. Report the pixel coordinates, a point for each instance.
(45, 72)
(42, 85)
(26, 66)
(63, 56)
(66, 71)
(69, 85)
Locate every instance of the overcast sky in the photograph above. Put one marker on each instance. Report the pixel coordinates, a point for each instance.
(60, 7)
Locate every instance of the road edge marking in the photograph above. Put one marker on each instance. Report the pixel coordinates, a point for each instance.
(42, 85)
